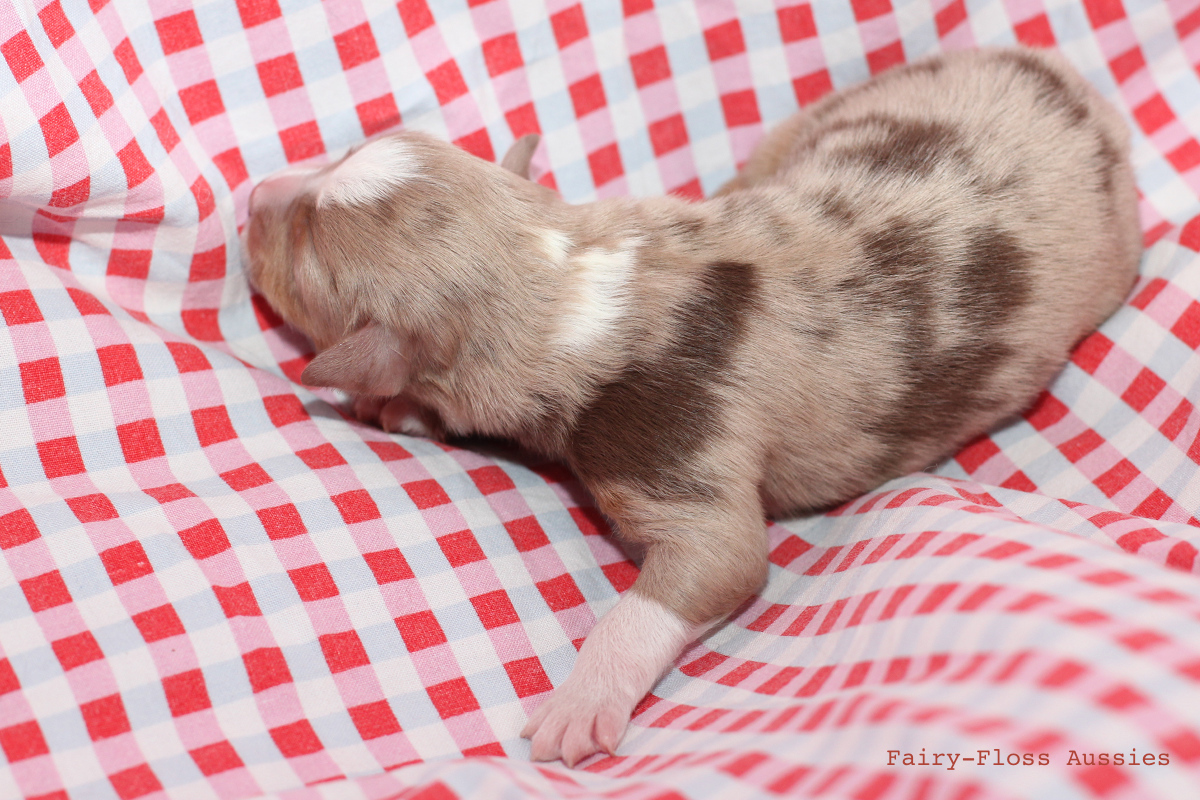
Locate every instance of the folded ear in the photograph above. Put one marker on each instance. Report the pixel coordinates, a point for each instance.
(367, 362)
(520, 154)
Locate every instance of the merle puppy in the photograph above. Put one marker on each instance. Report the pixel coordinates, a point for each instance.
(897, 269)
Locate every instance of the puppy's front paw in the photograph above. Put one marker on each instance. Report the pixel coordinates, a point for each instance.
(401, 415)
(398, 415)
(366, 408)
(577, 721)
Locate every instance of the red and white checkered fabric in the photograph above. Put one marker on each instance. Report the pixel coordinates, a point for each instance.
(213, 585)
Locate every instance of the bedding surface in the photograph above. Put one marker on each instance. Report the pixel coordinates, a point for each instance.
(213, 584)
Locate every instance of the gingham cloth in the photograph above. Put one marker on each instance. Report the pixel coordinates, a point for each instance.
(214, 585)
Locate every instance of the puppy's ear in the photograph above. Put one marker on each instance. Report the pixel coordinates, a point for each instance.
(520, 154)
(369, 361)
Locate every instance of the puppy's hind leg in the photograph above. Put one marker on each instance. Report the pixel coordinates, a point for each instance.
(699, 567)
(621, 659)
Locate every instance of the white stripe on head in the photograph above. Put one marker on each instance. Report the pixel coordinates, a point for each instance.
(601, 285)
(370, 173)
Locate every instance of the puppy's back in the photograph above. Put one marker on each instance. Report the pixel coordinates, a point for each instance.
(965, 221)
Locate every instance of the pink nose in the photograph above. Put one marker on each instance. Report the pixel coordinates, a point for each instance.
(279, 189)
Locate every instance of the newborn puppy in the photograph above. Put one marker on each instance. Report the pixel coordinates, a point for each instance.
(897, 269)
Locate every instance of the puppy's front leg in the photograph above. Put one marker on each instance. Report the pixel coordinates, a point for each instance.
(699, 566)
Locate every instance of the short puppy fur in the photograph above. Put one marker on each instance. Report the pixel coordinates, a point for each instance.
(897, 269)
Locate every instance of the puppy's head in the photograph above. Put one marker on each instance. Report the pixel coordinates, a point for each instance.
(382, 256)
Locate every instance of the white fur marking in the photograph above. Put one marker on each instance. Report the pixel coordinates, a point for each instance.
(601, 295)
(556, 245)
(411, 425)
(370, 174)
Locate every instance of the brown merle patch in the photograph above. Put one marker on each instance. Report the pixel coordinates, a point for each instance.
(754, 211)
(942, 387)
(780, 228)
(819, 330)
(902, 248)
(993, 281)
(1107, 160)
(1053, 91)
(834, 206)
(817, 321)
(942, 391)
(642, 428)
(902, 146)
(687, 227)
(998, 187)
(901, 258)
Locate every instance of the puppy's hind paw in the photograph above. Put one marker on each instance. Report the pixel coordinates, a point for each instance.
(572, 727)
(622, 658)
